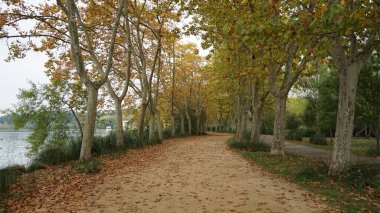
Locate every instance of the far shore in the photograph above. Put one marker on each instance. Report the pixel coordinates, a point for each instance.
(14, 130)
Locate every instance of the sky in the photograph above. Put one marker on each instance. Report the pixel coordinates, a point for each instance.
(16, 74)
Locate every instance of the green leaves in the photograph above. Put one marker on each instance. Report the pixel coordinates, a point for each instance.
(41, 109)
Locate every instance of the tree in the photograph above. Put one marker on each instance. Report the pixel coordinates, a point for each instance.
(43, 108)
(62, 24)
(353, 32)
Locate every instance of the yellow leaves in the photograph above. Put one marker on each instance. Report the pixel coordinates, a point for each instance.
(324, 9)
(3, 20)
(343, 3)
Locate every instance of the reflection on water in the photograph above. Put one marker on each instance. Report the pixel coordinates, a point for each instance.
(14, 147)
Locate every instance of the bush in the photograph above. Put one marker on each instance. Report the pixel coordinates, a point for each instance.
(292, 121)
(254, 147)
(166, 133)
(372, 151)
(131, 140)
(313, 173)
(55, 154)
(9, 176)
(105, 144)
(318, 139)
(308, 132)
(361, 176)
(91, 166)
(35, 165)
(294, 135)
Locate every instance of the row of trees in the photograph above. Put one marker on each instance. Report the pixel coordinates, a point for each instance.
(127, 52)
(262, 48)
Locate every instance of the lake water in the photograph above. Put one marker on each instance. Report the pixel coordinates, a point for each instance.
(14, 147)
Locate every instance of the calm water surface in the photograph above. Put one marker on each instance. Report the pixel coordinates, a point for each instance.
(14, 147)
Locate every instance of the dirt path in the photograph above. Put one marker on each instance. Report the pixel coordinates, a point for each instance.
(196, 174)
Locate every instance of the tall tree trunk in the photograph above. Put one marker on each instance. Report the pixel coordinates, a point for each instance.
(238, 127)
(152, 126)
(188, 122)
(378, 140)
(348, 80)
(89, 127)
(142, 123)
(159, 127)
(256, 124)
(279, 125)
(172, 93)
(182, 124)
(243, 126)
(198, 125)
(172, 123)
(349, 64)
(119, 123)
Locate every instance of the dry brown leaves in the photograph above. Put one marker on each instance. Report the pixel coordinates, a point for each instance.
(61, 188)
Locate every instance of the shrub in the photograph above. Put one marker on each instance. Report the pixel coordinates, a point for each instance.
(361, 176)
(254, 147)
(9, 176)
(90, 166)
(313, 173)
(131, 140)
(52, 155)
(154, 140)
(55, 154)
(105, 144)
(236, 144)
(166, 133)
(376, 191)
(35, 165)
(292, 121)
(308, 132)
(372, 151)
(295, 135)
(318, 139)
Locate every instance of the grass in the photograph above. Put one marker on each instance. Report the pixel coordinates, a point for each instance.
(312, 175)
(360, 146)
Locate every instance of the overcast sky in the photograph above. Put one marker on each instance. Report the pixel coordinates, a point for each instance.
(16, 74)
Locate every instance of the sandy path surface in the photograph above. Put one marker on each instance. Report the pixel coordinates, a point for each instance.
(197, 174)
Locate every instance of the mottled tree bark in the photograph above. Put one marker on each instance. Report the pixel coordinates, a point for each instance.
(341, 154)
(256, 124)
(89, 127)
(119, 123)
(142, 123)
(152, 126)
(159, 127)
(349, 65)
(182, 124)
(279, 125)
